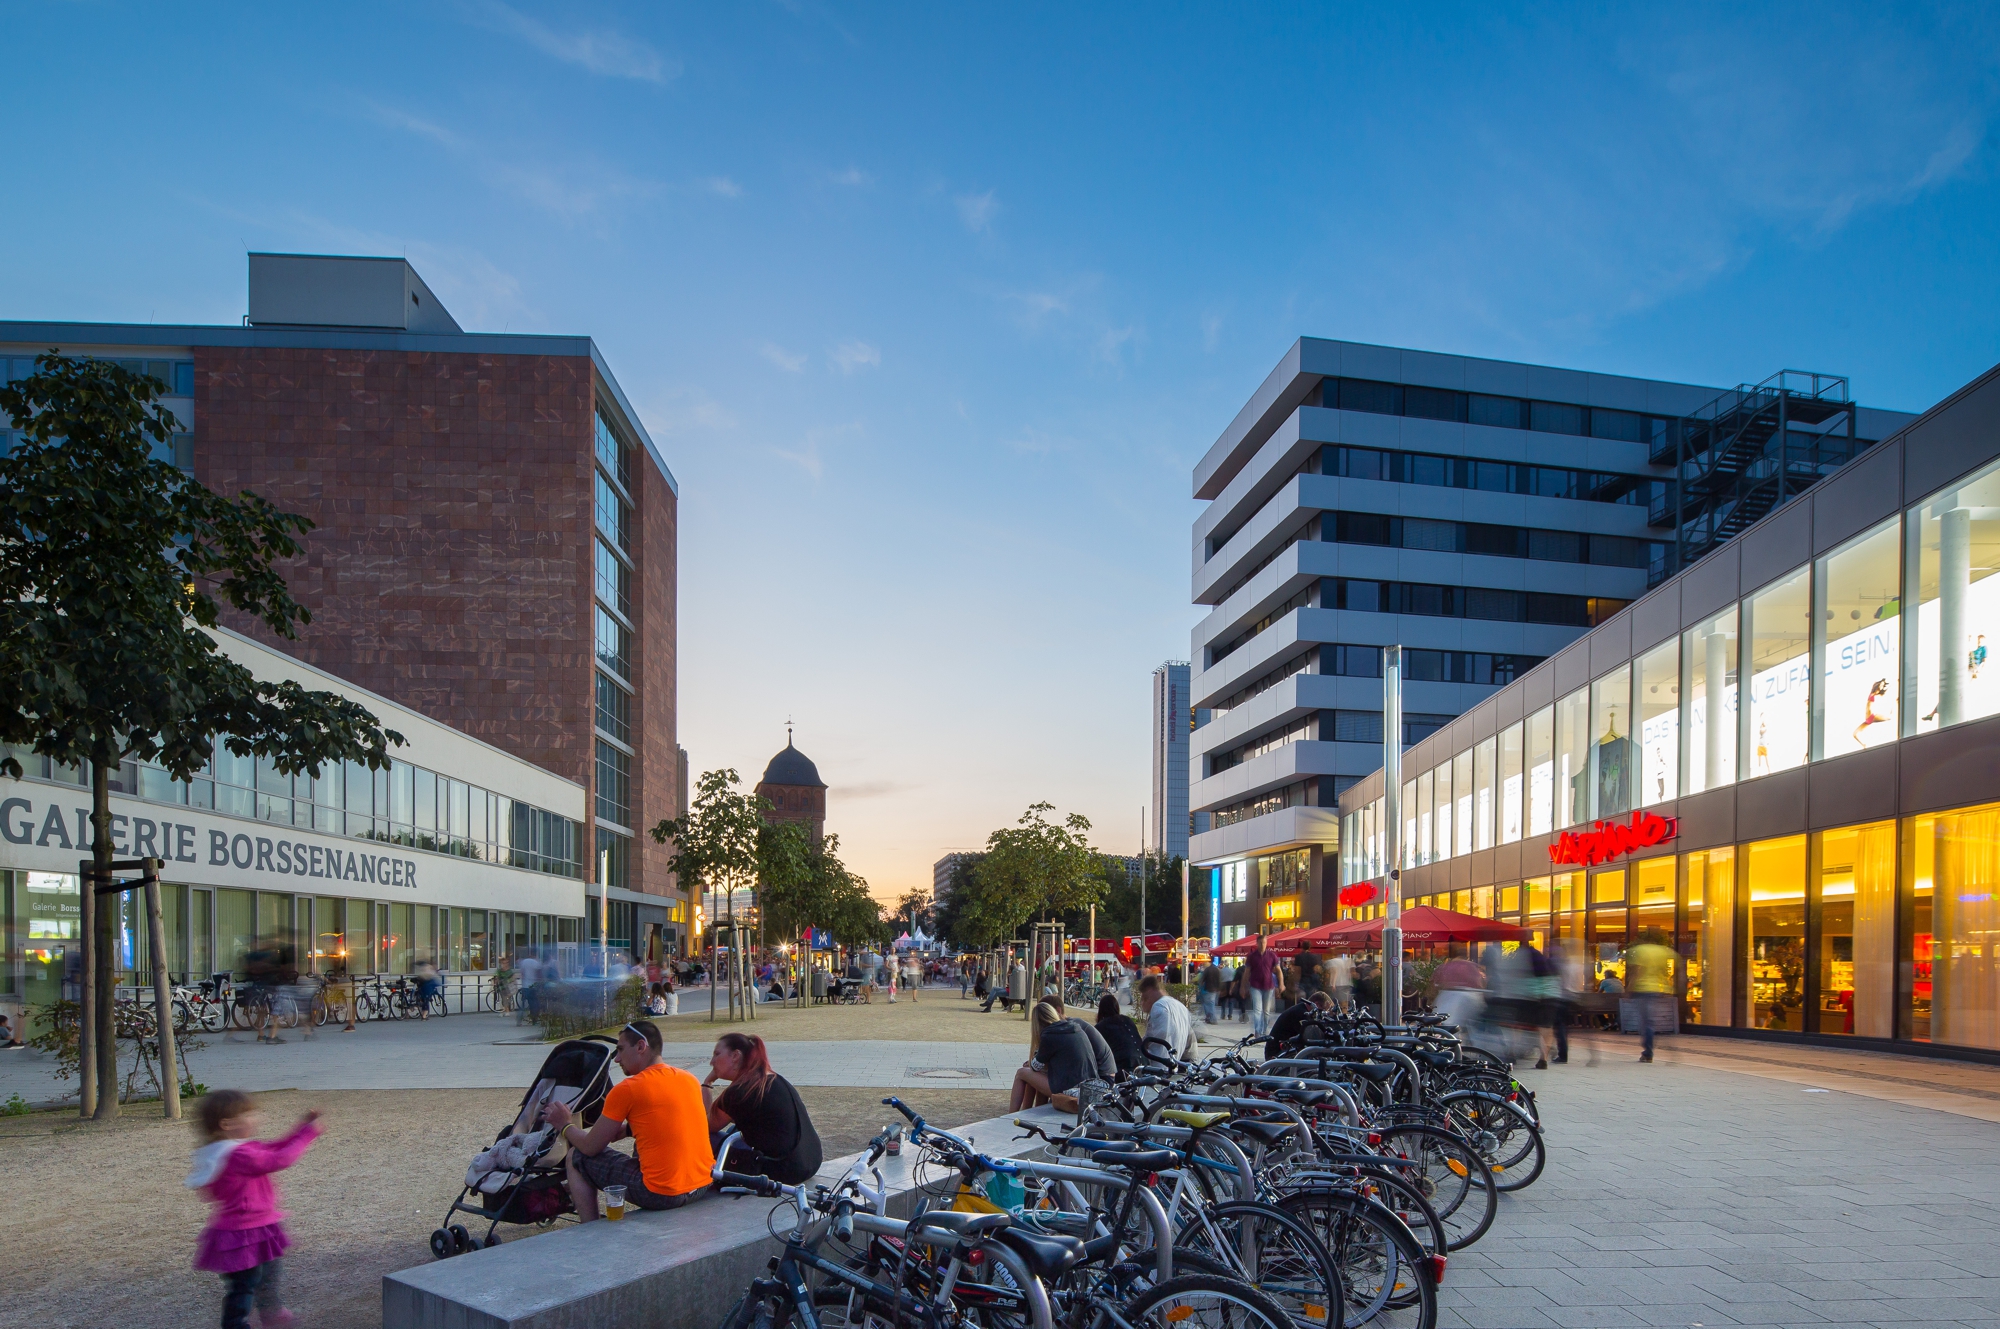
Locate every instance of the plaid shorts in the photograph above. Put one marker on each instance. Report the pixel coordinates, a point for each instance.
(615, 1167)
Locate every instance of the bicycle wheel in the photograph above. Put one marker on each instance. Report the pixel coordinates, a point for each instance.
(1264, 1245)
(437, 1004)
(1204, 1301)
(214, 1016)
(1451, 1175)
(1505, 1136)
(1384, 1276)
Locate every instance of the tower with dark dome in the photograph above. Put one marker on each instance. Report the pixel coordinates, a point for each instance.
(792, 784)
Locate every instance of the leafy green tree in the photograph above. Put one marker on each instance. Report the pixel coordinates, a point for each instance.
(913, 909)
(1035, 866)
(113, 566)
(789, 894)
(715, 845)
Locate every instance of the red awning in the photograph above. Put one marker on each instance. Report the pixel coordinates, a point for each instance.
(1427, 925)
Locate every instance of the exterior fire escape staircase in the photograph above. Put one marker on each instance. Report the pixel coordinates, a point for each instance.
(1745, 453)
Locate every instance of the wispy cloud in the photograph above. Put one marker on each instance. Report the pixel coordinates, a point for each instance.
(598, 50)
(1211, 331)
(853, 177)
(688, 410)
(395, 118)
(782, 358)
(1111, 343)
(977, 210)
(1035, 306)
(572, 188)
(842, 793)
(722, 186)
(852, 355)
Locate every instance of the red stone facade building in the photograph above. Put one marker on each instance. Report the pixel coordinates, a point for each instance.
(494, 538)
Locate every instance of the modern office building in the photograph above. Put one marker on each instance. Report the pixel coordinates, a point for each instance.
(1480, 513)
(462, 854)
(494, 541)
(1757, 762)
(945, 871)
(1173, 722)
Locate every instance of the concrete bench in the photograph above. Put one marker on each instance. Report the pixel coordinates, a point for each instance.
(681, 1267)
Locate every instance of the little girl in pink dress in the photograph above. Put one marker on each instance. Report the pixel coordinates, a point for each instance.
(245, 1236)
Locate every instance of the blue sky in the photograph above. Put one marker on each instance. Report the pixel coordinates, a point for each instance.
(932, 311)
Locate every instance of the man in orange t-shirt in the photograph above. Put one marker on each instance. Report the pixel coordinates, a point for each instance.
(660, 1107)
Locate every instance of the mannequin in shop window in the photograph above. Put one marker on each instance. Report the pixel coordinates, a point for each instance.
(1614, 769)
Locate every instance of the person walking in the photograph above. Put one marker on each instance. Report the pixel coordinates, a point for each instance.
(1649, 975)
(340, 993)
(245, 1239)
(1340, 979)
(1211, 990)
(1261, 979)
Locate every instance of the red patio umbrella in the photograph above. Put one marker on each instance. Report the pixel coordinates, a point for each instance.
(1427, 924)
(1327, 934)
(1286, 942)
(1241, 946)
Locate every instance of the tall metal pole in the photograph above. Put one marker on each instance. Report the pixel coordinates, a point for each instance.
(1392, 837)
(1187, 951)
(604, 913)
(1145, 866)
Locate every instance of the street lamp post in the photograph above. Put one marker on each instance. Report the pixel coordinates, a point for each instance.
(1392, 837)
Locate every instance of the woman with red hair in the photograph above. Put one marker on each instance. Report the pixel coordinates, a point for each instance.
(764, 1108)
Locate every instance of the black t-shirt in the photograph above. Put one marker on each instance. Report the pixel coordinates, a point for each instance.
(778, 1127)
(1123, 1035)
(1074, 1052)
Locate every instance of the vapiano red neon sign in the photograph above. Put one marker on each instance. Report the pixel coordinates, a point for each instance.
(1609, 840)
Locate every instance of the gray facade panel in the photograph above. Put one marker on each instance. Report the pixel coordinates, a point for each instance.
(1510, 702)
(1863, 493)
(1573, 669)
(1952, 767)
(1710, 584)
(1611, 644)
(1943, 447)
(1708, 819)
(1771, 805)
(1779, 544)
(1507, 862)
(1538, 689)
(1857, 787)
(1657, 617)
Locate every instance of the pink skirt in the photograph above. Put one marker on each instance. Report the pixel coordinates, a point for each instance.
(229, 1251)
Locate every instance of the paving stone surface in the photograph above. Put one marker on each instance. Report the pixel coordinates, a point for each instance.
(1687, 1194)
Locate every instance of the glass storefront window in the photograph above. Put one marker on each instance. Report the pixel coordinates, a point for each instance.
(1611, 748)
(329, 927)
(1607, 931)
(1777, 941)
(1441, 807)
(1857, 929)
(1541, 757)
(1708, 660)
(1954, 549)
(1482, 902)
(1482, 793)
(1408, 807)
(1509, 905)
(1608, 887)
(1956, 937)
(1461, 790)
(1510, 784)
(1573, 759)
(235, 928)
(398, 938)
(1653, 889)
(1777, 622)
(201, 934)
(1656, 699)
(1424, 845)
(1711, 916)
(1856, 595)
(358, 935)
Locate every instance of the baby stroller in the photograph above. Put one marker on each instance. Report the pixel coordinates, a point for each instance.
(520, 1178)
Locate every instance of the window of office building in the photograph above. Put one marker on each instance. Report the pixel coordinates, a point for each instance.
(1461, 790)
(614, 709)
(614, 647)
(1611, 747)
(1777, 623)
(1953, 864)
(1711, 918)
(1858, 592)
(1483, 755)
(1573, 759)
(1954, 549)
(1510, 784)
(1540, 761)
(1426, 846)
(1708, 660)
(612, 515)
(1856, 959)
(1407, 850)
(1776, 878)
(612, 452)
(614, 784)
(614, 580)
(614, 858)
(1656, 698)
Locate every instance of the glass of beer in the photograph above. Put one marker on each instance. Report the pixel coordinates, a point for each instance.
(614, 1202)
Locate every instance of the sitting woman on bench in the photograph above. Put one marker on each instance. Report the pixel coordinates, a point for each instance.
(1062, 1054)
(764, 1108)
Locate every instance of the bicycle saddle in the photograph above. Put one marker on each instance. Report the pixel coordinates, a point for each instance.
(961, 1223)
(1266, 1133)
(1048, 1254)
(1437, 1061)
(1137, 1160)
(1303, 1097)
(1198, 1120)
(1376, 1071)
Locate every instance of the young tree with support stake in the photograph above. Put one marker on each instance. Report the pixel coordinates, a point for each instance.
(113, 563)
(715, 845)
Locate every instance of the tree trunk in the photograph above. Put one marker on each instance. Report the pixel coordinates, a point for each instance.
(104, 981)
(86, 999)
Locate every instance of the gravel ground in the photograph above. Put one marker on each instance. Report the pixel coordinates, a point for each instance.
(109, 1242)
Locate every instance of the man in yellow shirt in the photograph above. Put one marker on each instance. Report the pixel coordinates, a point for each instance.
(661, 1108)
(1649, 978)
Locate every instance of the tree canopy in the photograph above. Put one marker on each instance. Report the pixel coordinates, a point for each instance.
(1035, 867)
